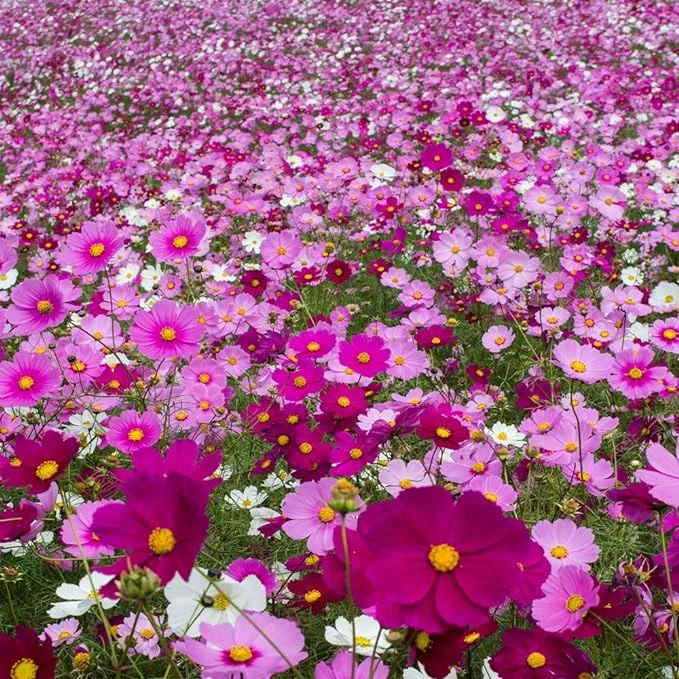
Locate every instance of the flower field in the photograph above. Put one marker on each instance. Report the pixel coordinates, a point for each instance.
(340, 339)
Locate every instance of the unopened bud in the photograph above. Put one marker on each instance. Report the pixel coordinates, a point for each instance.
(138, 584)
(344, 494)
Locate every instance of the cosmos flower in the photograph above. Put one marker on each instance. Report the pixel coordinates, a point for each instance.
(167, 331)
(254, 647)
(27, 379)
(91, 249)
(364, 355)
(662, 474)
(342, 667)
(565, 543)
(131, 431)
(177, 239)
(25, 656)
(582, 362)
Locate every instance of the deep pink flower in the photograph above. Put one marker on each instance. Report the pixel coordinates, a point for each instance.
(364, 354)
(178, 239)
(450, 561)
(90, 250)
(254, 647)
(633, 373)
(167, 331)
(25, 656)
(41, 304)
(15, 522)
(440, 426)
(36, 464)
(314, 343)
(299, 381)
(665, 334)
(161, 525)
(131, 431)
(436, 157)
(27, 379)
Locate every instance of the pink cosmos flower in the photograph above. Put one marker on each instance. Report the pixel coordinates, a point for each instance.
(27, 379)
(41, 304)
(77, 535)
(63, 632)
(310, 515)
(436, 156)
(493, 488)
(596, 475)
(610, 202)
(569, 593)
(406, 361)
(662, 474)
(314, 343)
(665, 334)
(342, 667)
(497, 338)
(398, 476)
(178, 239)
(468, 463)
(167, 331)
(301, 381)
(565, 543)
(633, 373)
(453, 249)
(518, 269)
(582, 362)
(541, 200)
(253, 648)
(131, 431)
(279, 250)
(139, 635)
(90, 250)
(364, 355)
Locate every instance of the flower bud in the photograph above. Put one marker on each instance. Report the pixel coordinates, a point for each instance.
(344, 494)
(138, 584)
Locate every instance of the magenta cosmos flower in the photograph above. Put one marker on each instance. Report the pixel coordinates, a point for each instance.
(310, 516)
(27, 379)
(536, 654)
(253, 647)
(36, 464)
(91, 250)
(448, 562)
(167, 331)
(161, 525)
(364, 355)
(633, 373)
(178, 239)
(565, 543)
(40, 304)
(26, 656)
(131, 431)
(662, 474)
(300, 381)
(569, 593)
(582, 362)
(665, 334)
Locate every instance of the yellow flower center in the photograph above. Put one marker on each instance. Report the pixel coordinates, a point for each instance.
(500, 341)
(97, 249)
(491, 496)
(363, 357)
(305, 448)
(313, 346)
(326, 514)
(299, 382)
(405, 484)
(444, 557)
(82, 661)
(669, 334)
(364, 642)
(162, 541)
(578, 366)
(203, 378)
(343, 401)
(180, 242)
(44, 306)
(283, 440)
(574, 603)
(64, 634)
(168, 334)
(221, 602)
(147, 633)
(536, 660)
(472, 637)
(570, 446)
(26, 382)
(312, 595)
(399, 360)
(46, 470)
(478, 467)
(241, 653)
(442, 432)
(636, 374)
(135, 434)
(559, 552)
(78, 366)
(280, 250)
(355, 453)
(24, 669)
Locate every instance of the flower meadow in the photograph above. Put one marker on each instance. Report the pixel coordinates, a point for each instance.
(339, 339)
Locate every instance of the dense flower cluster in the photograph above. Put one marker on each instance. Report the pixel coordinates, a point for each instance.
(339, 339)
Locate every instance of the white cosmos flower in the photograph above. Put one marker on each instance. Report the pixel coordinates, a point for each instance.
(248, 497)
(127, 274)
(488, 673)
(252, 242)
(18, 548)
(506, 435)
(78, 599)
(495, 114)
(370, 637)
(202, 599)
(420, 673)
(665, 297)
(7, 280)
(150, 276)
(383, 172)
(631, 275)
